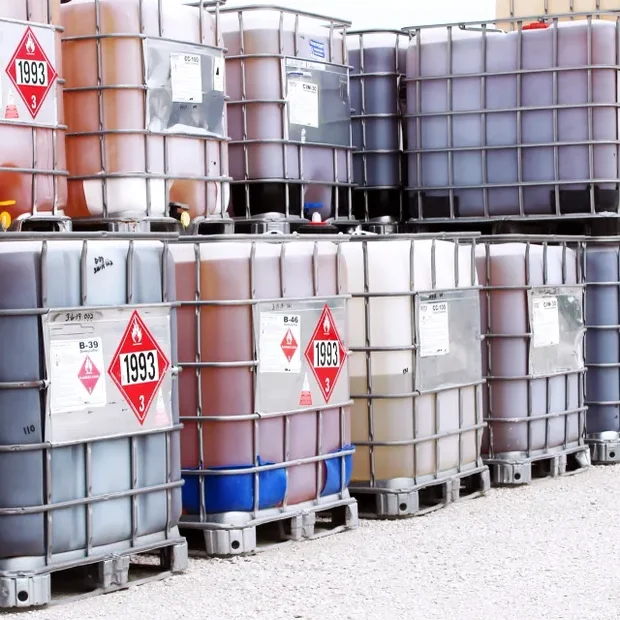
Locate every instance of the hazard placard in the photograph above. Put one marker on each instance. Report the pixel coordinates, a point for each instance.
(31, 72)
(138, 366)
(325, 353)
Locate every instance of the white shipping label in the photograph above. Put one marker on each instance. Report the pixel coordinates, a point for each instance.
(279, 343)
(77, 375)
(545, 321)
(303, 103)
(434, 328)
(218, 74)
(186, 78)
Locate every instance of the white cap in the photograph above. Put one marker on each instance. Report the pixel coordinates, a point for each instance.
(316, 218)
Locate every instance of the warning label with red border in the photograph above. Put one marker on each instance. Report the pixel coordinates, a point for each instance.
(138, 366)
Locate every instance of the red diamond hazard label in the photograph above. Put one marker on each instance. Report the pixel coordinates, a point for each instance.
(325, 353)
(289, 345)
(138, 367)
(31, 72)
(89, 375)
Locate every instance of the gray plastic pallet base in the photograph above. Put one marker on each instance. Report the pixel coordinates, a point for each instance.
(604, 452)
(224, 542)
(523, 471)
(104, 575)
(390, 504)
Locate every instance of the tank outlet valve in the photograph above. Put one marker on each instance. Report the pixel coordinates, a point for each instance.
(5, 217)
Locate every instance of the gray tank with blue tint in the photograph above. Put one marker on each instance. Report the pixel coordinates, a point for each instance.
(378, 60)
(603, 348)
(62, 319)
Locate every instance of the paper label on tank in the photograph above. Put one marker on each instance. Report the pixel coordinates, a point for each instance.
(545, 322)
(279, 343)
(186, 78)
(296, 63)
(303, 103)
(218, 74)
(434, 329)
(76, 368)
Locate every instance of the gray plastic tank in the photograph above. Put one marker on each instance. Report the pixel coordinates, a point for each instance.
(377, 59)
(533, 320)
(513, 137)
(293, 158)
(71, 350)
(603, 349)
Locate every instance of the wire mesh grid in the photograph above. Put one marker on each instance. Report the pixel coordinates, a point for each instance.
(534, 400)
(513, 125)
(235, 427)
(70, 470)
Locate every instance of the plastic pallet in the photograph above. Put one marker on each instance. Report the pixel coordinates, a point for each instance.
(523, 471)
(604, 452)
(94, 576)
(422, 499)
(212, 540)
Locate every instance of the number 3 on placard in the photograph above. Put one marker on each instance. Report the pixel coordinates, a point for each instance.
(33, 98)
(141, 403)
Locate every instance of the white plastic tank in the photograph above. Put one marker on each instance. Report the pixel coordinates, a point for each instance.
(80, 276)
(394, 427)
(293, 158)
(378, 60)
(532, 319)
(519, 143)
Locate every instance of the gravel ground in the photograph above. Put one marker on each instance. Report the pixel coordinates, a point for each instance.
(542, 551)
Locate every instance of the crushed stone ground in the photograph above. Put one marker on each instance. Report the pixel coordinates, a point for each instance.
(548, 550)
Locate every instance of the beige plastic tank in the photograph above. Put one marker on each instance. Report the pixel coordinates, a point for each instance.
(518, 406)
(110, 154)
(401, 448)
(566, 8)
(234, 272)
(267, 149)
(24, 145)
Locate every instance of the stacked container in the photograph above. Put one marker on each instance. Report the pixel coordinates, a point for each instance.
(32, 148)
(513, 124)
(289, 112)
(145, 109)
(416, 375)
(533, 325)
(264, 391)
(378, 65)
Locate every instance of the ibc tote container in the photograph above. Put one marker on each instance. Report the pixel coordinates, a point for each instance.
(513, 124)
(289, 112)
(602, 349)
(145, 109)
(266, 438)
(532, 319)
(378, 60)
(415, 369)
(89, 449)
(32, 145)
(565, 10)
